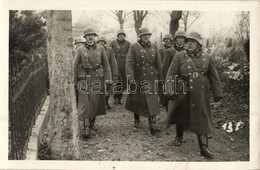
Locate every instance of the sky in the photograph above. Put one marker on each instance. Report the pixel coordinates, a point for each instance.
(209, 22)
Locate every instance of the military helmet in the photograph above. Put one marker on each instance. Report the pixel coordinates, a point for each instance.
(195, 36)
(144, 31)
(79, 40)
(167, 36)
(89, 31)
(121, 31)
(102, 38)
(179, 33)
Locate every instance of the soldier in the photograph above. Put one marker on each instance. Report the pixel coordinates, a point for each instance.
(193, 72)
(120, 47)
(168, 46)
(143, 66)
(167, 43)
(94, 69)
(113, 65)
(179, 40)
(79, 41)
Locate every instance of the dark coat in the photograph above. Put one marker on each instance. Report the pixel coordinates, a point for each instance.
(93, 64)
(113, 66)
(193, 108)
(143, 65)
(120, 51)
(168, 56)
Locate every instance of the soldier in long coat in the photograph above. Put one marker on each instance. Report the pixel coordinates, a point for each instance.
(79, 41)
(91, 65)
(120, 47)
(168, 46)
(113, 65)
(143, 68)
(179, 42)
(194, 73)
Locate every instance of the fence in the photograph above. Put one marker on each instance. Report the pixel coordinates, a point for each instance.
(27, 91)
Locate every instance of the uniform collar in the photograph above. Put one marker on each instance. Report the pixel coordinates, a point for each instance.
(121, 42)
(169, 46)
(178, 47)
(91, 46)
(147, 45)
(197, 53)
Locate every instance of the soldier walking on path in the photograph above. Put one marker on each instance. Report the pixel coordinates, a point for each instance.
(143, 66)
(168, 46)
(194, 74)
(92, 67)
(179, 42)
(120, 47)
(79, 41)
(113, 65)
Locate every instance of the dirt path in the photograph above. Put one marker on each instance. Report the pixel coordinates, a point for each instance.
(117, 140)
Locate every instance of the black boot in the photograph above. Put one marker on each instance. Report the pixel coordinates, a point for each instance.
(153, 128)
(115, 98)
(87, 133)
(93, 125)
(119, 98)
(203, 143)
(137, 121)
(179, 135)
(108, 106)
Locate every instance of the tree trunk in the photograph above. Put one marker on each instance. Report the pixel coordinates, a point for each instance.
(63, 123)
(174, 24)
(138, 19)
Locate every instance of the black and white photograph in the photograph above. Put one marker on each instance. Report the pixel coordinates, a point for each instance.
(124, 85)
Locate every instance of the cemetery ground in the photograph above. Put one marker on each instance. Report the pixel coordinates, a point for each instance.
(117, 140)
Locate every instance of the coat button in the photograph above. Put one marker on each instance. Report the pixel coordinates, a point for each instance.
(144, 68)
(202, 80)
(193, 105)
(204, 66)
(144, 74)
(190, 80)
(152, 73)
(202, 86)
(142, 56)
(190, 74)
(191, 87)
(152, 49)
(188, 66)
(203, 59)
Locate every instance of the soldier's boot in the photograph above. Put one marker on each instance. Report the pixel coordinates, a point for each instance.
(120, 98)
(137, 121)
(203, 144)
(115, 98)
(93, 125)
(108, 106)
(87, 133)
(153, 127)
(179, 135)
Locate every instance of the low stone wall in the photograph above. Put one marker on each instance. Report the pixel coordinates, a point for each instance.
(37, 131)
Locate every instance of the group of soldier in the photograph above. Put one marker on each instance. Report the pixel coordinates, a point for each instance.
(119, 65)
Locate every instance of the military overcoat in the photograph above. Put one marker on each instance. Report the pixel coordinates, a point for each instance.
(91, 66)
(196, 76)
(113, 66)
(144, 67)
(120, 50)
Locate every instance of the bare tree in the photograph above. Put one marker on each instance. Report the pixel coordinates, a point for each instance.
(63, 122)
(189, 17)
(121, 16)
(242, 29)
(138, 19)
(174, 23)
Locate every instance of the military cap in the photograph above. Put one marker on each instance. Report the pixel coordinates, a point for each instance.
(144, 31)
(179, 33)
(102, 38)
(195, 36)
(167, 36)
(121, 31)
(89, 31)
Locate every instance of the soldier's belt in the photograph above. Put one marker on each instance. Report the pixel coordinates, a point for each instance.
(197, 74)
(193, 75)
(93, 69)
